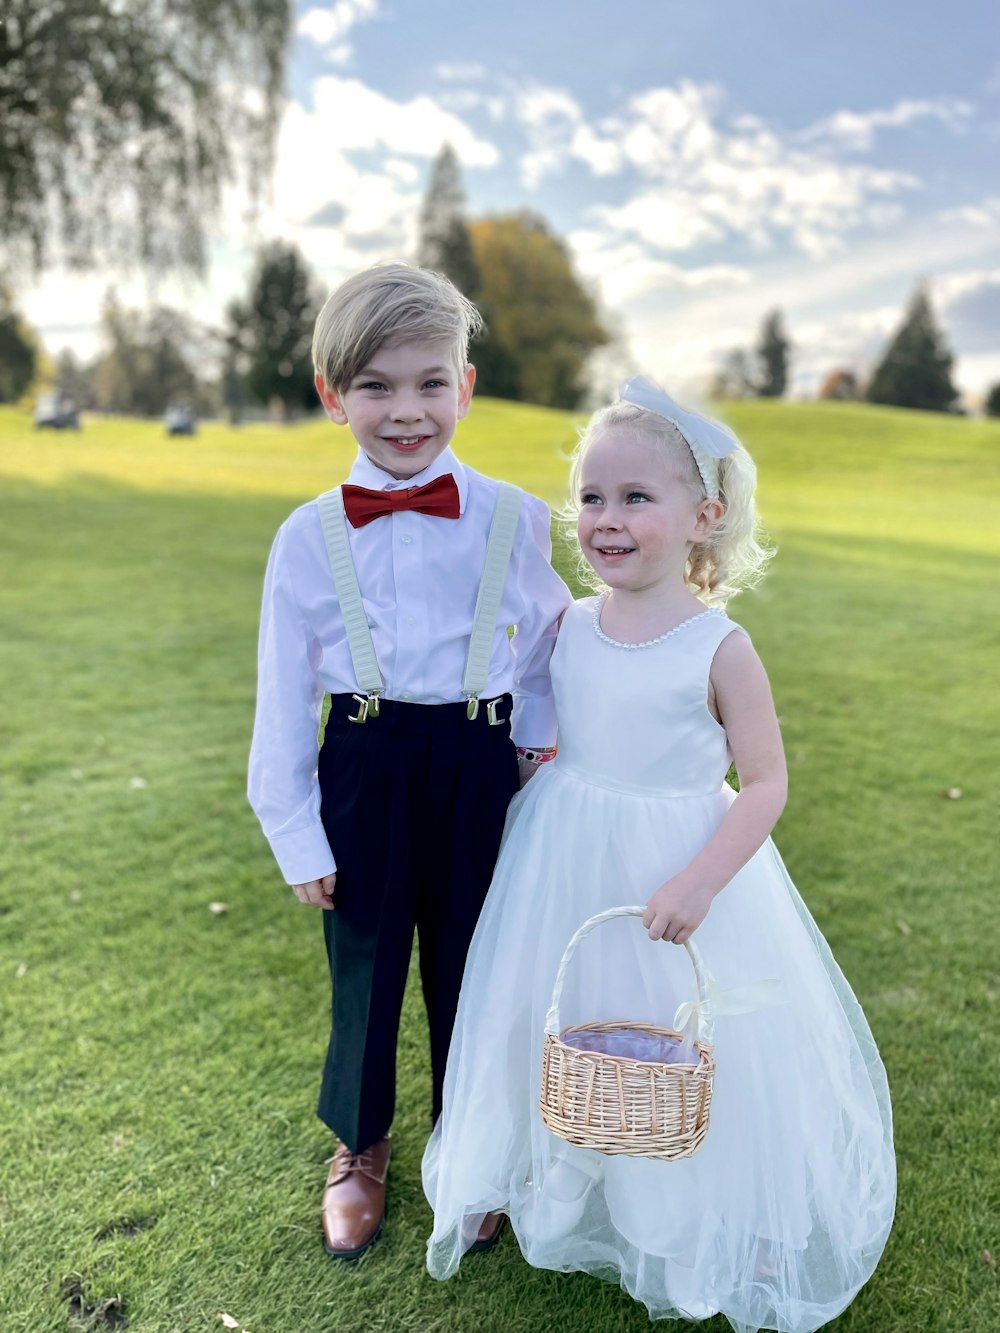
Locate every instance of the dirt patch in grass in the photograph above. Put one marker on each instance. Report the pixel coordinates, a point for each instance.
(94, 1316)
(125, 1226)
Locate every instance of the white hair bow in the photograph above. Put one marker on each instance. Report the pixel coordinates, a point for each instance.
(708, 440)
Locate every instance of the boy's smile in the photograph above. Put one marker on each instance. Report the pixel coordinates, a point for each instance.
(403, 406)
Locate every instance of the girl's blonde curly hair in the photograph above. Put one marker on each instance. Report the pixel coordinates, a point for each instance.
(735, 556)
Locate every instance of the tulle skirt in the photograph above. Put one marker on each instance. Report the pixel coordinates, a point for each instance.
(782, 1214)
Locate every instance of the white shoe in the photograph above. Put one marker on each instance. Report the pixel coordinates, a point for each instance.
(562, 1197)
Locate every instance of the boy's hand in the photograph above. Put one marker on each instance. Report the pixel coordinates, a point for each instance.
(317, 893)
(676, 910)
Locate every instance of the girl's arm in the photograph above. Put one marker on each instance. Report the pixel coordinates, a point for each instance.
(743, 701)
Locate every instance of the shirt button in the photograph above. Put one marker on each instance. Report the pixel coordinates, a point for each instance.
(406, 539)
(411, 620)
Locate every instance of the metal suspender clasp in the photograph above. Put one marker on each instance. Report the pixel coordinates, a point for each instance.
(491, 713)
(472, 710)
(373, 704)
(363, 709)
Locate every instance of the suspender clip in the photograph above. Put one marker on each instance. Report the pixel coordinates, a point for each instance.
(491, 713)
(372, 701)
(363, 706)
(472, 711)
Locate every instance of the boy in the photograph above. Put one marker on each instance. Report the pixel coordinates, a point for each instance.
(393, 594)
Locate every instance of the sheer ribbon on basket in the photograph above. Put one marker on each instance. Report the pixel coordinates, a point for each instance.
(718, 1003)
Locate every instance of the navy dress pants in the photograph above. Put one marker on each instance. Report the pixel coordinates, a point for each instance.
(413, 803)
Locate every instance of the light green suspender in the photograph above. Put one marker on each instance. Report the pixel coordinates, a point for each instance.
(359, 637)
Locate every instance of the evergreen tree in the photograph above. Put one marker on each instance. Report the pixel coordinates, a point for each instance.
(122, 120)
(444, 243)
(277, 329)
(18, 353)
(772, 357)
(992, 403)
(915, 370)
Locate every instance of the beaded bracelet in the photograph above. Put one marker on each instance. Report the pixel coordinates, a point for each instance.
(542, 756)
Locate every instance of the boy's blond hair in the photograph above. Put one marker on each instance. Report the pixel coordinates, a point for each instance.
(384, 306)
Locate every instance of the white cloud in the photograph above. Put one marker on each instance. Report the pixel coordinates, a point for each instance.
(315, 147)
(856, 129)
(948, 287)
(986, 213)
(680, 332)
(327, 26)
(460, 72)
(626, 271)
(703, 179)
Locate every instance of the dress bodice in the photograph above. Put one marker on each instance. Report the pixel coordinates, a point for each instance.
(634, 717)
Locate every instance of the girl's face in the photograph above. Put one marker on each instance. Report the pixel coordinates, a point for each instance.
(639, 516)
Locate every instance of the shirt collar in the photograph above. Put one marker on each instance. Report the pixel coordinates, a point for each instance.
(365, 473)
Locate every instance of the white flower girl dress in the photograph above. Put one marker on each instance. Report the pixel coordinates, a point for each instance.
(782, 1214)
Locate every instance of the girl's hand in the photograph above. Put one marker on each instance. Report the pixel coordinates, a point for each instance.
(317, 893)
(676, 910)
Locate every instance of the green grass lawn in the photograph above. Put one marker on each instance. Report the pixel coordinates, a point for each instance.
(159, 1063)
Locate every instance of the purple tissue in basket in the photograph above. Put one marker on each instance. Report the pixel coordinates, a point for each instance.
(633, 1044)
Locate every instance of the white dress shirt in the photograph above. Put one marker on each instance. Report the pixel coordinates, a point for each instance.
(419, 578)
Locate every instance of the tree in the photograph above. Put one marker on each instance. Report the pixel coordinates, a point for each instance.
(915, 370)
(18, 352)
(840, 385)
(274, 328)
(543, 322)
(72, 382)
(150, 361)
(444, 243)
(772, 357)
(991, 405)
(120, 119)
(733, 379)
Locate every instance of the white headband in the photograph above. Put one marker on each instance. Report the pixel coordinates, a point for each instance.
(708, 440)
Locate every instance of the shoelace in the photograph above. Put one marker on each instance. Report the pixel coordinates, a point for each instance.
(348, 1162)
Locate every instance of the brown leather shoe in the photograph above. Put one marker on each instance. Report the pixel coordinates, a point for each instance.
(354, 1199)
(490, 1231)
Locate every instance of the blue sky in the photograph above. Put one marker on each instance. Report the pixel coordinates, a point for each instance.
(706, 160)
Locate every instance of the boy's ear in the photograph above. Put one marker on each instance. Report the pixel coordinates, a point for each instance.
(330, 399)
(466, 383)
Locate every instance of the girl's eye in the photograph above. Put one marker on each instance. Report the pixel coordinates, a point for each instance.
(589, 498)
(636, 496)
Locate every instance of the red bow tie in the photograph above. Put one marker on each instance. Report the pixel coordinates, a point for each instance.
(439, 498)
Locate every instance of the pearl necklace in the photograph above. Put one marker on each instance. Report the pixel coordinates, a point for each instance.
(647, 643)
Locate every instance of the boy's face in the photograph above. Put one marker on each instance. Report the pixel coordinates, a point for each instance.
(403, 406)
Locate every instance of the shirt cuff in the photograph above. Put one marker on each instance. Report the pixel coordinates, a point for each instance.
(303, 855)
(533, 722)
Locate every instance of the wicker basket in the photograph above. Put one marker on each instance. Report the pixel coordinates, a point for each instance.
(614, 1104)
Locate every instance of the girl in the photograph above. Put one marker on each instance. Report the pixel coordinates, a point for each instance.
(782, 1214)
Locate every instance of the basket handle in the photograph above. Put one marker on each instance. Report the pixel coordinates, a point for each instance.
(703, 1022)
